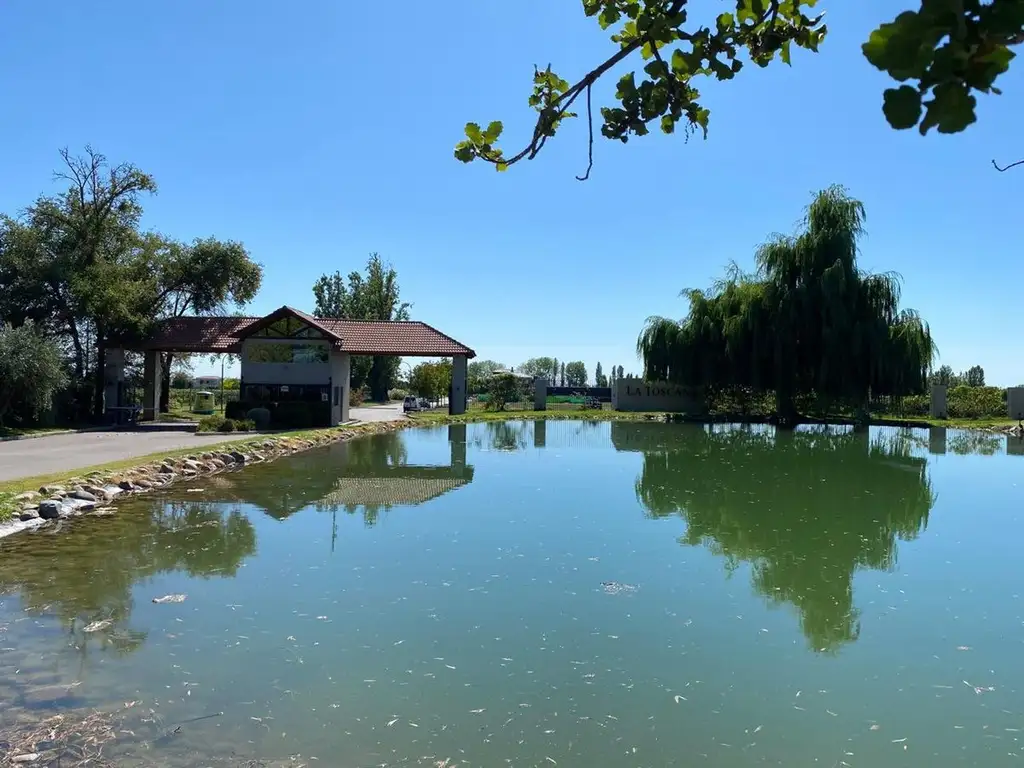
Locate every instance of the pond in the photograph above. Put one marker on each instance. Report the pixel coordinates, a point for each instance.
(545, 594)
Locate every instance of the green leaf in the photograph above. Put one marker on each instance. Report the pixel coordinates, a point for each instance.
(474, 134)
(493, 131)
(464, 152)
(784, 52)
(951, 109)
(679, 65)
(725, 22)
(902, 107)
(500, 167)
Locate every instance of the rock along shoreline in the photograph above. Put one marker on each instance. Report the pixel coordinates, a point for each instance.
(94, 494)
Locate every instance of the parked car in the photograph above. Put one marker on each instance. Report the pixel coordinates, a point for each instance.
(411, 404)
(424, 404)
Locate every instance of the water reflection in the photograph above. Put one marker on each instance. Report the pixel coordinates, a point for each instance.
(805, 509)
(85, 573)
(367, 476)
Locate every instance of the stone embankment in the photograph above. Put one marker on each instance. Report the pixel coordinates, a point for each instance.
(94, 493)
(1014, 430)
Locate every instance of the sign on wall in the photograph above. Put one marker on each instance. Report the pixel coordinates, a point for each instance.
(640, 395)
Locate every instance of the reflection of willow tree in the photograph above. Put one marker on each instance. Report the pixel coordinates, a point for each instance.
(970, 443)
(805, 509)
(86, 573)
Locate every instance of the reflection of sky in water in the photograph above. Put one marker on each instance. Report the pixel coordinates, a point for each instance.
(838, 598)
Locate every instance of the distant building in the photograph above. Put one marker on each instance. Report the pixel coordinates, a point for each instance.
(206, 382)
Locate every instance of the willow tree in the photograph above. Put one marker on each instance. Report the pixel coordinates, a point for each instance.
(809, 320)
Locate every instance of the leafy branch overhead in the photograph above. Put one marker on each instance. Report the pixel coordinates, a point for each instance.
(942, 54)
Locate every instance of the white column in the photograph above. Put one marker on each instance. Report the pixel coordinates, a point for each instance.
(113, 378)
(937, 406)
(457, 399)
(153, 379)
(1015, 403)
(341, 371)
(540, 394)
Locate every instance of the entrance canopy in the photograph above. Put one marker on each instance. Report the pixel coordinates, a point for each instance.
(213, 335)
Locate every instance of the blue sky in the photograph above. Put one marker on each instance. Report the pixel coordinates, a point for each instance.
(317, 132)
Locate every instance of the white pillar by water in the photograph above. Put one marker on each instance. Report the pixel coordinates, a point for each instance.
(457, 399)
(540, 394)
(937, 406)
(153, 379)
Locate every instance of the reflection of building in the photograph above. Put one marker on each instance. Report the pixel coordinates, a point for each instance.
(937, 441)
(1014, 446)
(370, 473)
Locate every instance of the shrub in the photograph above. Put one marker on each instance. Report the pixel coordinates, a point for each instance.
(212, 424)
(258, 417)
(245, 425)
(227, 425)
(398, 394)
(356, 396)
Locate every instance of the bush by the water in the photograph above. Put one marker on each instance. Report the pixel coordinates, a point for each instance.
(397, 395)
(221, 424)
(962, 402)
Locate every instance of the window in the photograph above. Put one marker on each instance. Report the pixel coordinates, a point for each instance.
(276, 352)
(277, 393)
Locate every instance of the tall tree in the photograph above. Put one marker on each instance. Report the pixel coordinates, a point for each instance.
(73, 261)
(373, 296)
(946, 377)
(576, 374)
(600, 380)
(31, 371)
(537, 366)
(553, 373)
(943, 53)
(208, 277)
(975, 376)
(808, 321)
(561, 375)
(620, 373)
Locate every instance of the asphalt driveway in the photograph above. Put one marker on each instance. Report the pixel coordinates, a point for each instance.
(66, 453)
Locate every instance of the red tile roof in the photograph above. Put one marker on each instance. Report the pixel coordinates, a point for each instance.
(409, 338)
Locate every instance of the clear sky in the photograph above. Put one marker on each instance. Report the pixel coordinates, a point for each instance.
(317, 132)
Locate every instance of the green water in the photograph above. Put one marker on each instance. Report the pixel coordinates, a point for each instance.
(569, 594)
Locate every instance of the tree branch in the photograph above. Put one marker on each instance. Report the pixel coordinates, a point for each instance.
(1007, 167)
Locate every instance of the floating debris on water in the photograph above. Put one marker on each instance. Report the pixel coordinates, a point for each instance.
(96, 626)
(615, 588)
(169, 599)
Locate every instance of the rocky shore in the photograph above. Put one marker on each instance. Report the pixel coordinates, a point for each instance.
(94, 494)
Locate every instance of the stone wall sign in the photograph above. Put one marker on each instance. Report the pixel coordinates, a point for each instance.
(640, 395)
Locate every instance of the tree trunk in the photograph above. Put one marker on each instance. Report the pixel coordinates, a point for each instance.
(165, 387)
(379, 379)
(100, 378)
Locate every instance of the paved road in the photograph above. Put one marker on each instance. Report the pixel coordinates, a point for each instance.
(389, 412)
(63, 453)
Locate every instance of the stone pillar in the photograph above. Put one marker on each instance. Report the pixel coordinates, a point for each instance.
(113, 379)
(457, 445)
(152, 379)
(937, 407)
(1015, 403)
(341, 372)
(457, 397)
(540, 394)
(540, 434)
(937, 441)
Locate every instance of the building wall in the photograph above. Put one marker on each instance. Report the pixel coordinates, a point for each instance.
(282, 373)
